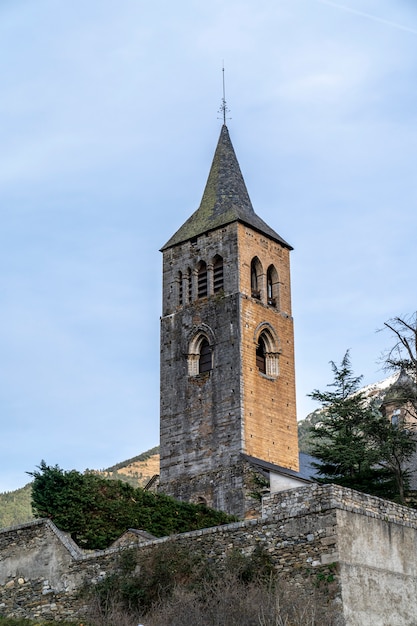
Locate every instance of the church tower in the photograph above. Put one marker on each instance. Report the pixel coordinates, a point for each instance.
(227, 347)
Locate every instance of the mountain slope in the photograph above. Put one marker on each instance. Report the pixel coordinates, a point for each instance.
(15, 506)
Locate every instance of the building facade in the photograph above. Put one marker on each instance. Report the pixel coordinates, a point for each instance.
(227, 347)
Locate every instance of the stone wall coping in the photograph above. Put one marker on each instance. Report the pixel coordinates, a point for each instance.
(320, 498)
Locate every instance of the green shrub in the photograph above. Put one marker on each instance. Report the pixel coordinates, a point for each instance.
(96, 511)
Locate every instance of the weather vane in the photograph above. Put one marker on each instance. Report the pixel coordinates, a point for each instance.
(224, 108)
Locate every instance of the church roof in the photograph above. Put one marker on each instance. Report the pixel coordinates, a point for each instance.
(225, 199)
(307, 471)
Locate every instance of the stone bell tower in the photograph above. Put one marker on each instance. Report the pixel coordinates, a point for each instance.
(227, 347)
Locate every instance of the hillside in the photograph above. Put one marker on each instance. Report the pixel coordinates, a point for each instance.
(137, 471)
(15, 507)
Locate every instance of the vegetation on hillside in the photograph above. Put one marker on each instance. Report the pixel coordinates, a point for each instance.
(305, 427)
(15, 506)
(136, 459)
(96, 511)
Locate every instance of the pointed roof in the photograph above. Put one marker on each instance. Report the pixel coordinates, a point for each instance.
(225, 199)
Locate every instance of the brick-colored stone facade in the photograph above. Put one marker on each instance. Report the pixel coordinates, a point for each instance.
(269, 405)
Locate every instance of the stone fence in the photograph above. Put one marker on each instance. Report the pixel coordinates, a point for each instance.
(368, 543)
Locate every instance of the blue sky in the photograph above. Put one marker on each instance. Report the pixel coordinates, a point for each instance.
(108, 124)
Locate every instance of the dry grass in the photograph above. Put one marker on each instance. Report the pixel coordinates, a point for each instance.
(230, 602)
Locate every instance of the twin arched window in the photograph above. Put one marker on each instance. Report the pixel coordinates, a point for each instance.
(257, 283)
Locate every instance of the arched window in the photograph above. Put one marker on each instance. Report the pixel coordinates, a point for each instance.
(204, 362)
(202, 279)
(255, 278)
(200, 352)
(267, 350)
(272, 286)
(217, 274)
(180, 289)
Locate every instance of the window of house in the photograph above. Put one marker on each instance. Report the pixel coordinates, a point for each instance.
(202, 279)
(217, 274)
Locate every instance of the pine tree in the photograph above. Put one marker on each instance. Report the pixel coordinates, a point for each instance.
(355, 445)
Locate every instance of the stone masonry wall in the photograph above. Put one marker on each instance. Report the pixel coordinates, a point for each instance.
(374, 547)
(366, 543)
(200, 421)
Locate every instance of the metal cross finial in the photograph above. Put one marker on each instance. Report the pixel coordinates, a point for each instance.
(224, 109)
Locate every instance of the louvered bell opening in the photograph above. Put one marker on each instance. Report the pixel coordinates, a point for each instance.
(202, 283)
(218, 277)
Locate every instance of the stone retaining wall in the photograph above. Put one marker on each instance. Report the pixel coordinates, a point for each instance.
(306, 531)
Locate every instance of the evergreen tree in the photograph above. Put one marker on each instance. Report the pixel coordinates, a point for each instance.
(355, 445)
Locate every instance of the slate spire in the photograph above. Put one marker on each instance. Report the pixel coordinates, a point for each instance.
(225, 199)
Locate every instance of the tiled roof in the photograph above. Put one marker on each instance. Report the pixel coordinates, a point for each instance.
(225, 199)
